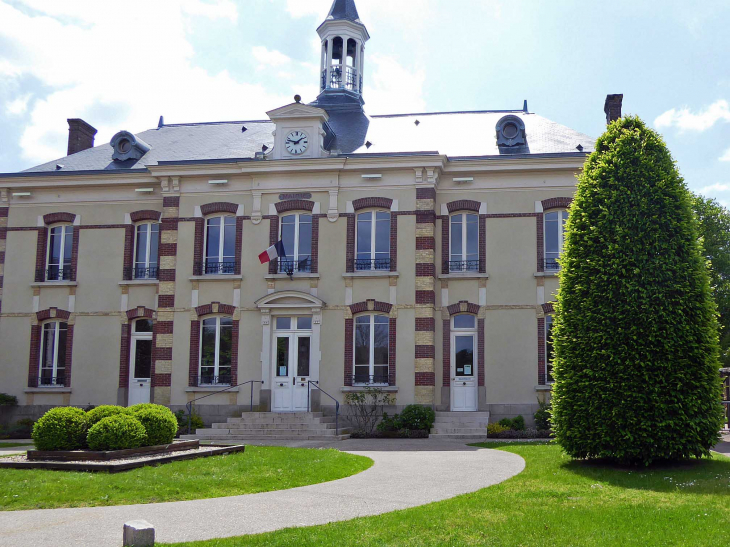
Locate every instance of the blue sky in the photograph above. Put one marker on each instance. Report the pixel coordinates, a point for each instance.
(122, 65)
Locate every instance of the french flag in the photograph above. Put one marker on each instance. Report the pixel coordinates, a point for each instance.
(275, 251)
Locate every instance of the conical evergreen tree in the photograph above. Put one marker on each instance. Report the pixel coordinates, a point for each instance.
(635, 332)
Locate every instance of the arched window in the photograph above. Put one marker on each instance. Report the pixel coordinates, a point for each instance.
(296, 234)
(464, 248)
(147, 239)
(59, 255)
(220, 245)
(372, 333)
(373, 241)
(216, 350)
(554, 232)
(52, 367)
(549, 348)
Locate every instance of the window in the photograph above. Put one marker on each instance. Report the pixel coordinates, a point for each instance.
(145, 251)
(53, 354)
(373, 241)
(549, 348)
(296, 234)
(216, 342)
(554, 232)
(464, 243)
(371, 349)
(60, 244)
(220, 245)
(464, 337)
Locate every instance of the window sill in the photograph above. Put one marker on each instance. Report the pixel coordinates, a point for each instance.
(54, 284)
(547, 274)
(209, 389)
(548, 387)
(140, 282)
(359, 389)
(215, 277)
(371, 274)
(464, 275)
(294, 275)
(49, 389)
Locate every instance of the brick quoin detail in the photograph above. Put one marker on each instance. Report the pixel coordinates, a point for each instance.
(53, 218)
(350, 244)
(445, 241)
(74, 253)
(425, 324)
(446, 337)
(556, 203)
(425, 379)
(393, 242)
(425, 352)
(392, 339)
(425, 193)
(425, 217)
(207, 309)
(235, 333)
(541, 351)
(426, 243)
(40, 255)
(425, 297)
(425, 269)
(360, 307)
(139, 216)
(166, 300)
(124, 356)
(314, 267)
(463, 205)
(128, 261)
(171, 201)
(539, 228)
(294, 205)
(162, 380)
(239, 245)
(371, 203)
(69, 353)
(218, 207)
(548, 308)
(470, 308)
(482, 244)
(349, 350)
(480, 349)
(140, 312)
(198, 244)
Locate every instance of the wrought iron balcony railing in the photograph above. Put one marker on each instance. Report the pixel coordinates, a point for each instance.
(371, 379)
(56, 381)
(214, 268)
(378, 264)
(140, 272)
(336, 77)
(223, 379)
(550, 264)
(456, 266)
(55, 273)
(290, 266)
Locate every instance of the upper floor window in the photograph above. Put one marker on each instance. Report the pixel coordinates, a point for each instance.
(60, 245)
(554, 233)
(372, 333)
(373, 241)
(216, 345)
(549, 348)
(53, 354)
(464, 248)
(220, 245)
(296, 234)
(145, 251)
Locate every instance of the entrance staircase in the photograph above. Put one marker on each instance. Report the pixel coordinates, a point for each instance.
(470, 426)
(292, 426)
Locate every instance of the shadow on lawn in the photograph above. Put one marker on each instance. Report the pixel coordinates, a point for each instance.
(692, 476)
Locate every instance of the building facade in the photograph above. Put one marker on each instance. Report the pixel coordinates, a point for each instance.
(420, 255)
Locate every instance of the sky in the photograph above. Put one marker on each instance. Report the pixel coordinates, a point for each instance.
(121, 65)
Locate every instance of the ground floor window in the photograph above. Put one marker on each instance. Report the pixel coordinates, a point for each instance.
(53, 354)
(216, 345)
(371, 349)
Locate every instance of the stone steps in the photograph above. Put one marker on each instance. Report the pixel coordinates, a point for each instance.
(268, 437)
(468, 426)
(280, 426)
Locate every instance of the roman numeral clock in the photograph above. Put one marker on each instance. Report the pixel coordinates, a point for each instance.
(296, 142)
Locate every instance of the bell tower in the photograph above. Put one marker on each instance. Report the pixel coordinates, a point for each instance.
(342, 58)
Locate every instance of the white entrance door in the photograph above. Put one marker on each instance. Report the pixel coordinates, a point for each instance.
(463, 365)
(140, 362)
(291, 355)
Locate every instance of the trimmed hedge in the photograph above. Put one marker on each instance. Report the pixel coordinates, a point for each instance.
(635, 333)
(61, 428)
(116, 432)
(159, 423)
(100, 412)
(417, 417)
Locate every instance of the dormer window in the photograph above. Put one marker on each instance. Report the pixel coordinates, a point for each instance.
(126, 146)
(511, 132)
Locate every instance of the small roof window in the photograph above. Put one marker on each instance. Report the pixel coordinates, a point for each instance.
(126, 146)
(511, 131)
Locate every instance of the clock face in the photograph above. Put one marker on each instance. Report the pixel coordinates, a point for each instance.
(296, 142)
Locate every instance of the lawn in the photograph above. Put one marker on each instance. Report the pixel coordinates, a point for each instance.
(258, 469)
(11, 445)
(553, 502)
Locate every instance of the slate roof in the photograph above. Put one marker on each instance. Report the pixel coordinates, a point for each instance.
(455, 134)
(344, 9)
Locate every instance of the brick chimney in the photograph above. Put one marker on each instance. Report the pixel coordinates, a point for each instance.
(80, 135)
(612, 107)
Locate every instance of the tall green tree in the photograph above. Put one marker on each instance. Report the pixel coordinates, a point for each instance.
(714, 231)
(635, 333)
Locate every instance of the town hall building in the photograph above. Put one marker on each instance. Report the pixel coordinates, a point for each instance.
(420, 254)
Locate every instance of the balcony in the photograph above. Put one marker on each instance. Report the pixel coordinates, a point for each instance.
(367, 379)
(57, 381)
(290, 266)
(336, 80)
(56, 273)
(550, 265)
(214, 268)
(371, 264)
(140, 272)
(457, 266)
(209, 380)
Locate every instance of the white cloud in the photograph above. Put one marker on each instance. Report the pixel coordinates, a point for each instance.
(717, 187)
(269, 57)
(684, 120)
(18, 106)
(396, 89)
(726, 155)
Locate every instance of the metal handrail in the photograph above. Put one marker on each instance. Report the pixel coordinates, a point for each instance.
(337, 403)
(189, 404)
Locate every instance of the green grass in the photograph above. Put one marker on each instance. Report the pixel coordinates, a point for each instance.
(258, 469)
(553, 502)
(3, 444)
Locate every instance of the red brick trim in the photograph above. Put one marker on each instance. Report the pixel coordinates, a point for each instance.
(350, 242)
(425, 217)
(128, 261)
(273, 238)
(425, 193)
(235, 334)
(124, 348)
(218, 207)
(53, 313)
(207, 309)
(239, 245)
(138, 216)
(425, 324)
(294, 205)
(556, 203)
(372, 203)
(470, 308)
(393, 242)
(35, 351)
(171, 201)
(40, 254)
(69, 353)
(541, 378)
(349, 350)
(548, 308)
(425, 378)
(480, 352)
(425, 243)
(392, 350)
(360, 307)
(425, 297)
(139, 312)
(511, 215)
(425, 269)
(162, 380)
(194, 353)
(463, 205)
(74, 253)
(314, 267)
(446, 356)
(482, 244)
(4, 212)
(53, 218)
(198, 243)
(445, 243)
(540, 230)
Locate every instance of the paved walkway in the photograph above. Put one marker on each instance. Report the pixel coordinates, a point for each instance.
(723, 447)
(406, 473)
(10, 451)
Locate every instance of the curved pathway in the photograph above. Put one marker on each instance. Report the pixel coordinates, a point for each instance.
(406, 473)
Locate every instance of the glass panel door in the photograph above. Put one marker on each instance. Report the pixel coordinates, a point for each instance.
(282, 356)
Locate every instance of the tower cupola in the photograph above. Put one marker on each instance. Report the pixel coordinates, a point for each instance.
(343, 54)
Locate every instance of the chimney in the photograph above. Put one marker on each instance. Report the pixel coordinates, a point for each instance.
(612, 107)
(80, 135)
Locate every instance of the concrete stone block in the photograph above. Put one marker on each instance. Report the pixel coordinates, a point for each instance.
(139, 533)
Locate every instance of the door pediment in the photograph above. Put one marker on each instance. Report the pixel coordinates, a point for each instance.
(290, 299)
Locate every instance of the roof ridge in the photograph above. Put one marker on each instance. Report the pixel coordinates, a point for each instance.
(449, 112)
(236, 122)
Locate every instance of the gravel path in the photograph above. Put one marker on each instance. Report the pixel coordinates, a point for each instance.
(406, 473)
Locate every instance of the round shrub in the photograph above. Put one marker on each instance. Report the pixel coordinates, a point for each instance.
(100, 412)
(417, 417)
(62, 428)
(159, 423)
(116, 432)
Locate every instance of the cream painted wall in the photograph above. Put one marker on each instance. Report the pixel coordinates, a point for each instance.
(99, 270)
(95, 369)
(19, 272)
(15, 345)
(511, 260)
